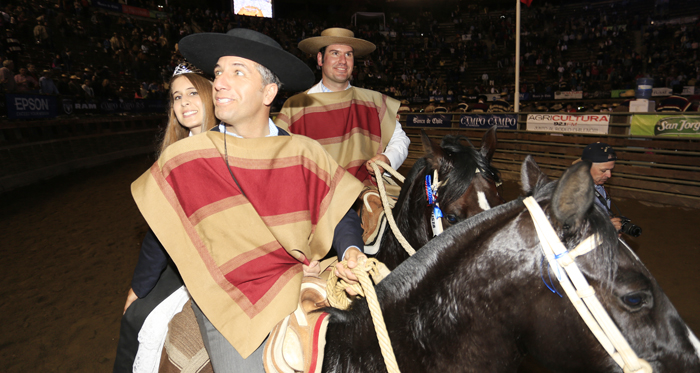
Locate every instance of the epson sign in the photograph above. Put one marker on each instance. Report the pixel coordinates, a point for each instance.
(31, 103)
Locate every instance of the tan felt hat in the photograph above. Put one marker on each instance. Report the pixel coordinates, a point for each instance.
(337, 35)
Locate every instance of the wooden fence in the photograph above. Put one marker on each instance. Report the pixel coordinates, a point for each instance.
(663, 170)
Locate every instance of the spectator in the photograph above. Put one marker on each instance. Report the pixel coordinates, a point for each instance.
(47, 85)
(87, 89)
(74, 87)
(41, 36)
(25, 83)
(7, 76)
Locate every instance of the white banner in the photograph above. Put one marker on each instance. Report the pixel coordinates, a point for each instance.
(568, 95)
(661, 92)
(689, 90)
(568, 123)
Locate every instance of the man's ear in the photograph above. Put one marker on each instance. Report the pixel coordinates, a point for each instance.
(319, 59)
(269, 93)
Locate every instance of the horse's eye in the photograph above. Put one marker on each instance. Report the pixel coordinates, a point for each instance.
(452, 218)
(635, 301)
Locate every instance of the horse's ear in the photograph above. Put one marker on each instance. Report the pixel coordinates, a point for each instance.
(574, 194)
(531, 177)
(432, 151)
(488, 143)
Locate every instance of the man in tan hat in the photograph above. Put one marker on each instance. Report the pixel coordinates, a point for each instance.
(354, 125)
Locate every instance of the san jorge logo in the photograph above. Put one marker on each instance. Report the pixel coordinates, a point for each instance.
(677, 125)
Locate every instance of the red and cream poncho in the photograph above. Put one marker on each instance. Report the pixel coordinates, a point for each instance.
(241, 257)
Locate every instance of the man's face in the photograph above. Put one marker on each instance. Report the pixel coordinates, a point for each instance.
(23, 71)
(601, 172)
(337, 63)
(239, 95)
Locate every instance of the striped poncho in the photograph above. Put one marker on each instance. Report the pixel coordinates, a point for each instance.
(240, 255)
(353, 125)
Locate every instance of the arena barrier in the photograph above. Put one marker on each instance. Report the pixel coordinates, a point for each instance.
(31, 151)
(658, 154)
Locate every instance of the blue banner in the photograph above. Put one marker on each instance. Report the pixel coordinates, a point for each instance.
(24, 106)
(503, 121)
(430, 120)
(541, 96)
(73, 106)
(104, 4)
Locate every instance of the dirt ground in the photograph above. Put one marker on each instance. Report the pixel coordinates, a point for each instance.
(70, 244)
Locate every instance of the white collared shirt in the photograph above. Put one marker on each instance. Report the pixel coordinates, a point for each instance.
(274, 131)
(397, 148)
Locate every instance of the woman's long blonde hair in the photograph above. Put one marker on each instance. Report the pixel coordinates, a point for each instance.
(174, 131)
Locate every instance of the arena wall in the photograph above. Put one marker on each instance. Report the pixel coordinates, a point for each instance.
(36, 150)
(661, 170)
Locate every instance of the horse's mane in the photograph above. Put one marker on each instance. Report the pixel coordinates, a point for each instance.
(600, 264)
(464, 161)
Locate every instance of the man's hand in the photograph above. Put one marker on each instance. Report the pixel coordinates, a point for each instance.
(352, 255)
(130, 298)
(378, 157)
(617, 223)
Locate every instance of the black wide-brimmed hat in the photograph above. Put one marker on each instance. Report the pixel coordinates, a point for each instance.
(204, 50)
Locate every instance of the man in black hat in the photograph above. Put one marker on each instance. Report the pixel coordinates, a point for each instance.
(602, 157)
(240, 208)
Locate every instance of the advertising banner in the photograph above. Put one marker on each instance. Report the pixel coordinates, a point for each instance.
(542, 96)
(430, 120)
(23, 106)
(73, 106)
(569, 123)
(665, 125)
(503, 121)
(568, 95)
(108, 5)
(661, 92)
(128, 9)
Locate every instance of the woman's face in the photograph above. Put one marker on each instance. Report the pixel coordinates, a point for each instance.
(187, 104)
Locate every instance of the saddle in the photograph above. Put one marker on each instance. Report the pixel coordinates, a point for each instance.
(297, 343)
(372, 215)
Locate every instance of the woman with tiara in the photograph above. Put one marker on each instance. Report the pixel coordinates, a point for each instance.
(153, 300)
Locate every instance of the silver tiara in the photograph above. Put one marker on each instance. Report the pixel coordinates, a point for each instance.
(186, 68)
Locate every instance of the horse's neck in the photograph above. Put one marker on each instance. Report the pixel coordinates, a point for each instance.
(412, 223)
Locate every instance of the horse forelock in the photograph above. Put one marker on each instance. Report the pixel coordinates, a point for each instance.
(460, 166)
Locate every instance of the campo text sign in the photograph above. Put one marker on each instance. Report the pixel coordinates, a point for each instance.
(503, 121)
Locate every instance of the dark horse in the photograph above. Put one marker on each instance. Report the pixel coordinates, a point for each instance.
(469, 188)
(473, 299)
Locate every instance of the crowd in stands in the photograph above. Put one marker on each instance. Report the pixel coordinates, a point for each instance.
(76, 50)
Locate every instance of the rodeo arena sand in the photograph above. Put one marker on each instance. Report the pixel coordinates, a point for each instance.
(70, 244)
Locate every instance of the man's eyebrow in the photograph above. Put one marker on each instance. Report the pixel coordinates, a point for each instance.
(338, 50)
(237, 64)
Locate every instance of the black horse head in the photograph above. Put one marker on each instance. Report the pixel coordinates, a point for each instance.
(477, 298)
(468, 187)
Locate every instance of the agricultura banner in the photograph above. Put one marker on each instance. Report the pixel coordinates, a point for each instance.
(569, 123)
